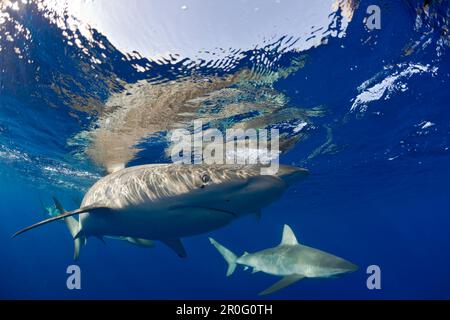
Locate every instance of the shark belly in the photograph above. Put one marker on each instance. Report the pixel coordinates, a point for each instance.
(156, 224)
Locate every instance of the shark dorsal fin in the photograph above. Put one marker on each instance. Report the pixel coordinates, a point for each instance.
(288, 236)
(177, 246)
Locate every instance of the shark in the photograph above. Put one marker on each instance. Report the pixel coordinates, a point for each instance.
(167, 202)
(290, 260)
(72, 224)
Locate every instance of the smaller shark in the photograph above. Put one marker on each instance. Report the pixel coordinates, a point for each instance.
(289, 259)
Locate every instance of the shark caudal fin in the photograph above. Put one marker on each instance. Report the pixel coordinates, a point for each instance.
(229, 256)
(90, 209)
(72, 224)
(74, 227)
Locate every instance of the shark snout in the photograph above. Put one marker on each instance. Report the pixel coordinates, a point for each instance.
(291, 174)
(348, 267)
(352, 267)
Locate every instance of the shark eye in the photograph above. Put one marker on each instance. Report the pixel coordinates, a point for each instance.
(205, 178)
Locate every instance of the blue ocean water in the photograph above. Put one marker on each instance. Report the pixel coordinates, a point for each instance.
(375, 138)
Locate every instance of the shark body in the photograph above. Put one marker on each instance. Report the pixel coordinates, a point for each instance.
(166, 202)
(290, 260)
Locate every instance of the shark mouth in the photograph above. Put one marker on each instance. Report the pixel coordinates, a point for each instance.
(224, 211)
(231, 213)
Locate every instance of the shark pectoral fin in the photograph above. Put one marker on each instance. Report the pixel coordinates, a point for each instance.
(177, 246)
(145, 243)
(140, 242)
(286, 281)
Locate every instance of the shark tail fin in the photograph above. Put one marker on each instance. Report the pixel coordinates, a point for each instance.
(74, 227)
(90, 209)
(77, 234)
(229, 256)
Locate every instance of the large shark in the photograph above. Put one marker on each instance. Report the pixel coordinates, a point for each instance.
(290, 260)
(166, 202)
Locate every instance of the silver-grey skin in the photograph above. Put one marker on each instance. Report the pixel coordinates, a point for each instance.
(169, 201)
(290, 260)
(285, 260)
